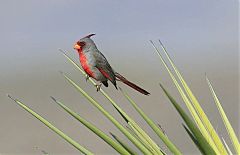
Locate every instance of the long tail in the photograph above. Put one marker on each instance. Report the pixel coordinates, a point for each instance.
(130, 84)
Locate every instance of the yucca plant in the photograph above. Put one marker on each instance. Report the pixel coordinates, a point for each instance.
(197, 126)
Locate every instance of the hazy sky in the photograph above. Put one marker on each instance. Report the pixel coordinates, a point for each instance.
(201, 36)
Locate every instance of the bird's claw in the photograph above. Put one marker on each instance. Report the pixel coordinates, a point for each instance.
(98, 86)
(87, 78)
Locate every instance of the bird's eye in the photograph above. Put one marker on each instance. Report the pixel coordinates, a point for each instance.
(81, 43)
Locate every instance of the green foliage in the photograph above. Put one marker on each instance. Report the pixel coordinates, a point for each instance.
(129, 149)
(94, 129)
(150, 122)
(227, 124)
(201, 141)
(200, 129)
(53, 128)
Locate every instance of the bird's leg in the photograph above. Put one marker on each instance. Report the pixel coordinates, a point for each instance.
(87, 78)
(98, 86)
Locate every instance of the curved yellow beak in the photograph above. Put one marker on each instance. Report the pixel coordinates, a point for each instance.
(76, 46)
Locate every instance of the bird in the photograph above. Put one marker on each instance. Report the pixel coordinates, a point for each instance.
(96, 66)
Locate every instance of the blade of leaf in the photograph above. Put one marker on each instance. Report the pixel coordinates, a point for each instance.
(228, 149)
(193, 139)
(196, 132)
(188, 103)
(94, 129)
(129, 149)
(147, 138)
(135, 134)
(227, 124)
(53, 128)
(143, 140)
(110, 117)
(155, 128)
(142, 134)
(214, 136)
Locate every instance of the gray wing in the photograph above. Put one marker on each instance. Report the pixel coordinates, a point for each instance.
(104, 67)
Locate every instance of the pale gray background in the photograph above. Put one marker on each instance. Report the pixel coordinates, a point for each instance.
(201, 36)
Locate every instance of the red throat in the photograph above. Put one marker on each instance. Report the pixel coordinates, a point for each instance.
(79, 51)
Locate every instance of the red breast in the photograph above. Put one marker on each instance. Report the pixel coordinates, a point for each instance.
(83, 60)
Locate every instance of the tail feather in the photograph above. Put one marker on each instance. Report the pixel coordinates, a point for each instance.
(130, 84)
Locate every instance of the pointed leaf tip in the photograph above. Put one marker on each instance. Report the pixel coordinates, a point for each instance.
(112, 135)
(61, 50)
(8, 95)
(53, 98)
(61, 72)
(161, 85)
(160, 42)
(120, 89)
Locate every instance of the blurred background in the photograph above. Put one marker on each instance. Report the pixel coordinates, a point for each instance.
(201, 37)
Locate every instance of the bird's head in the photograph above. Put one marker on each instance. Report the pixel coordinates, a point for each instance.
(84, 43)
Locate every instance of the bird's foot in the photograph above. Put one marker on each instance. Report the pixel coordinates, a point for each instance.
(98, 86)
(87, 78)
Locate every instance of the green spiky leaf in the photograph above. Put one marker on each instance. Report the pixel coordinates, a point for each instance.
(193, 139)
(94, 129)
(109, 116)
(53, 128)
(207, 129)
(207, 149)
(227, 124)
(194, 108)
(129, 149)
(155, 128)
